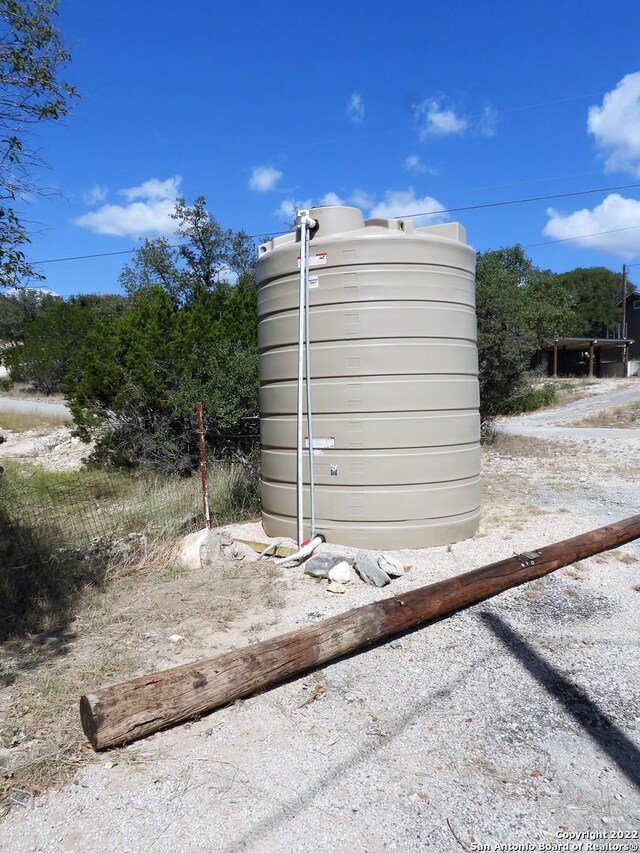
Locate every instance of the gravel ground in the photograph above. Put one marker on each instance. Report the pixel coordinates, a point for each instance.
(57, 450)
(514, 721)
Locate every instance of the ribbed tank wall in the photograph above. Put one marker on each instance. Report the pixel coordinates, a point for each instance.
(394, 378)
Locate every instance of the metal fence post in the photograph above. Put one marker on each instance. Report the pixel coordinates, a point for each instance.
(203, 468)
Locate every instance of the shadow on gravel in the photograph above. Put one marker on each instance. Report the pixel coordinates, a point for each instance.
(255, 835)
(598, 725)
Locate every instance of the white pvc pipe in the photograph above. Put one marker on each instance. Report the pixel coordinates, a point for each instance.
(305, 551)
(307, 348)
(304, 222)
(299, 443)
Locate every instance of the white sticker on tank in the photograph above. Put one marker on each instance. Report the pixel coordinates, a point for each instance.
(314, 281)
(320, 443)
(317, 260)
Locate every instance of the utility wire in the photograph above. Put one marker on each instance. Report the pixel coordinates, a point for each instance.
(517, 201)
(406, 216)
(131, 251)
(582, 237)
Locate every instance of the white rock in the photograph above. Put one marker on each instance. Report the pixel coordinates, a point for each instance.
(210, 550)
(341, 573)
(175, 638)
(394, 568)
(189, 553)
(335, 587)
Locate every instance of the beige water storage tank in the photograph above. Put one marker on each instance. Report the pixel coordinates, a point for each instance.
(394, 376)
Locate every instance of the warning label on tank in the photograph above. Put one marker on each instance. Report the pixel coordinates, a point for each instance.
(317, 260)
(320, 443)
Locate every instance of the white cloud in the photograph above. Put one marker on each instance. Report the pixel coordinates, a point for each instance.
(616, 126)
(149, 216)
(438, 120)
(488, 121)
(18, 291)
(394, 203)
(413, 163)
(362, 199)
(355, 108)
(331, 198)
(95, 195)
(618, 215)
(264, 178)
(287, 208)
(154, 190)
(405, 203)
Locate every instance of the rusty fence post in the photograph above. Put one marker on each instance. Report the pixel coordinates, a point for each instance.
(203, 468)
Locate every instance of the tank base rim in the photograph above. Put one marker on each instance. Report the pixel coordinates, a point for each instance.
(427, 533)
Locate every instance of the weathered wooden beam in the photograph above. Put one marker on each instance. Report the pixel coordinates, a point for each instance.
(136, 708)
(277, 551)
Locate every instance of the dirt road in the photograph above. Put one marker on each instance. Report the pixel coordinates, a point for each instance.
(15, 404)
(556, 422)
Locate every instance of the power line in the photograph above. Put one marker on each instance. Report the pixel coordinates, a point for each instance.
(582, 237)
(131, 251)
(549, 103)
(517, 201)
(84, 257)
(405, 216)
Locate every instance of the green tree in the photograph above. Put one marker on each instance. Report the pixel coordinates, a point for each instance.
(595, 294)
(31, 59)
(190, 335)
(506, 340)
(16, 309)
(549, 305)
(53, 336)
(202, 263)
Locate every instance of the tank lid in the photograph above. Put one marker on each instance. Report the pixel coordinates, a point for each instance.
(335, 219)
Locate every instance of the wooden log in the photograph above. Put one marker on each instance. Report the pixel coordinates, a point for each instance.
(133, 709)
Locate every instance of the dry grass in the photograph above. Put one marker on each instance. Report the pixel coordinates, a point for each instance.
(119, 631)
(622, 417)
(40, 732)
(27, 421)
(521, 446)
(572, 390)
(60, 532)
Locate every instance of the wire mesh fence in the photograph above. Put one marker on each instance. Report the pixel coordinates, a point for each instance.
(77, 509)
(60, 531)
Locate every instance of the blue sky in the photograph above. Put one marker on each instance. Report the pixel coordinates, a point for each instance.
(395, 108)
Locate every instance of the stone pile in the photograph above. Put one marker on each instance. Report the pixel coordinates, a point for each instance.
(374, 569)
